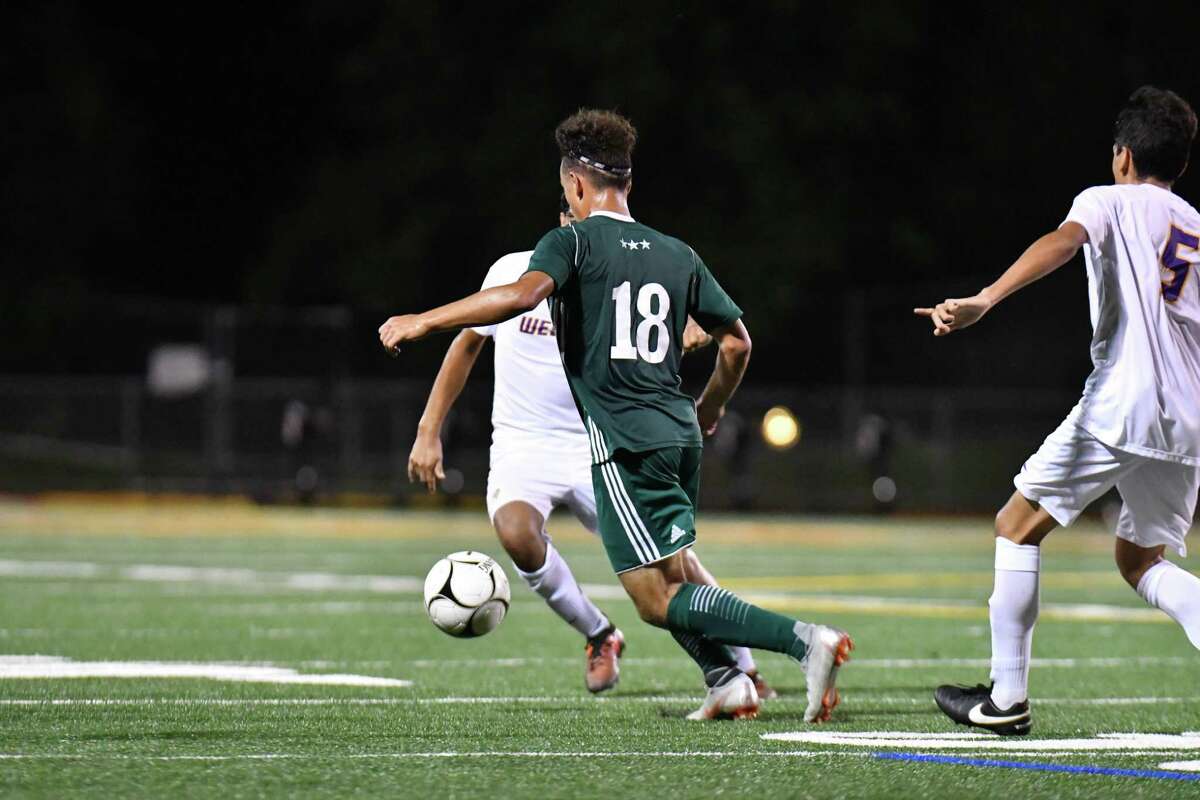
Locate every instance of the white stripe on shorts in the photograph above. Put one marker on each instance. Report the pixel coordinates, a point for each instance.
(633, 513)
(621, 500)
(599, 447)
(638, 547)
(603, 444)
(592, 442)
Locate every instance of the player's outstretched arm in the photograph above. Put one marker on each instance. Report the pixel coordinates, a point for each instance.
(733, 355)
(486, 307)
(1043, 257)
(425, 460)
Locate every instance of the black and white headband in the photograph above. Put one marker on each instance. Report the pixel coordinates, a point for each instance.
(617, 172)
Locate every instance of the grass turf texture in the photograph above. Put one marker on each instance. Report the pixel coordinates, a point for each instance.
(905, 589)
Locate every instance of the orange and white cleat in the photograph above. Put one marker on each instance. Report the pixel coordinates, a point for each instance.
(829, 650)
(765, 692)
(603, 654)
(736, 698)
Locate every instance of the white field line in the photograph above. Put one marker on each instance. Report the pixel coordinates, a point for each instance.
(526, 661)
(943, 607)
(50, 569)
(254, 632)
(392, 584)
(54, 667)
(1125, 742)
(442, 754)
(856, 663)
(1070, 663)
(324, 663)
(267, 609)
(848, 697)
(205, 701)
(159, 573)
(1036, 701)
(813, 754)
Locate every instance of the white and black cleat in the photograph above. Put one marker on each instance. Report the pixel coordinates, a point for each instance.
(973, 706)
(734, 698)
(829, 649)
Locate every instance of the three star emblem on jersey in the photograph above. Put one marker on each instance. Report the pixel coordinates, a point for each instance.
(642, 245)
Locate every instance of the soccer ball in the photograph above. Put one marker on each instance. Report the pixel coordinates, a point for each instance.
(466, 594)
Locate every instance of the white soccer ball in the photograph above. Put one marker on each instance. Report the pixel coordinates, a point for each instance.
(467, 594)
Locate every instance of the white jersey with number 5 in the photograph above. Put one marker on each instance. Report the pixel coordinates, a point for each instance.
(1143, 395)
(532, 407)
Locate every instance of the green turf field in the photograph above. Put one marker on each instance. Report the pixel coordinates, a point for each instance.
(303, 593)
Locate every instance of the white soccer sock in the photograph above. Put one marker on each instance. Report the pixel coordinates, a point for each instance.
(558, 587)
(745, 661)
(1014, 610)
(1175, 591)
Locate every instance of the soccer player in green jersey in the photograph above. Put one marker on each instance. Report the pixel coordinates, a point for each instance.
(620, 294)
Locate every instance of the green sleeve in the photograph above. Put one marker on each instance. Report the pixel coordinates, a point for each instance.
(555, 255)
(707, 302)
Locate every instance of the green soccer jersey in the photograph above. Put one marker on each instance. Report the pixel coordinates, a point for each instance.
(622, 296)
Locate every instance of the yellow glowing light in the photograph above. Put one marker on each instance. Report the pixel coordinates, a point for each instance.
(780, 428)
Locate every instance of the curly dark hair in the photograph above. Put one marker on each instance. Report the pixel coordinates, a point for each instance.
(1158, 126)
(600, 142)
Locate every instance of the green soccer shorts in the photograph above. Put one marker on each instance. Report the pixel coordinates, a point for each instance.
(646, 504)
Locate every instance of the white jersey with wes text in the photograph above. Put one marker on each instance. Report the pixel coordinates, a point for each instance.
(1143, 395)
(532, 406)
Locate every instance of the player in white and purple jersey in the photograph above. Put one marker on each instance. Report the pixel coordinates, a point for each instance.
(1137, 426)
(540, 460)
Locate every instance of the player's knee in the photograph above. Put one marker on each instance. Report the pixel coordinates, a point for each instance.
(652, 608)
(653, 612)
(1009, 526)
(1005, 529)
(527, 552)
(1131, 573)
(1022, 521)
(521, 540)
(1132, 561)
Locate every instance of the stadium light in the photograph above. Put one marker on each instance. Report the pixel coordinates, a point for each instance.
(780, 428)
(884, 490)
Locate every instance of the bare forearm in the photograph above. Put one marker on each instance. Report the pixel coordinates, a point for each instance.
(733, 356)
(482, 308)
(726, 377)
(451, 378)
(1043, 257)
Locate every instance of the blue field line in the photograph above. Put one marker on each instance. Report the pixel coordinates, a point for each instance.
(1077, 769)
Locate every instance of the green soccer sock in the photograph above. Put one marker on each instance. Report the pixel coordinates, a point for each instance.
(721, 616)
(715, 660)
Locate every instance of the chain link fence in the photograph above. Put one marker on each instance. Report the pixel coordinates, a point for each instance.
(280, 439)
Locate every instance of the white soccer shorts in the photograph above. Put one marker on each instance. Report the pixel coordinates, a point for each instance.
(1072, 469)
(545, 479)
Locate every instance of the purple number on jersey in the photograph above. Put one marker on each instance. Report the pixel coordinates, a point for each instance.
(1172, 261)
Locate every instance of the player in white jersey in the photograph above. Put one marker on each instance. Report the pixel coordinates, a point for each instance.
(1137, 426)
(540, 459)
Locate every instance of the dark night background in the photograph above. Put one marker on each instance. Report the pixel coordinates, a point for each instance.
(376, 158)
